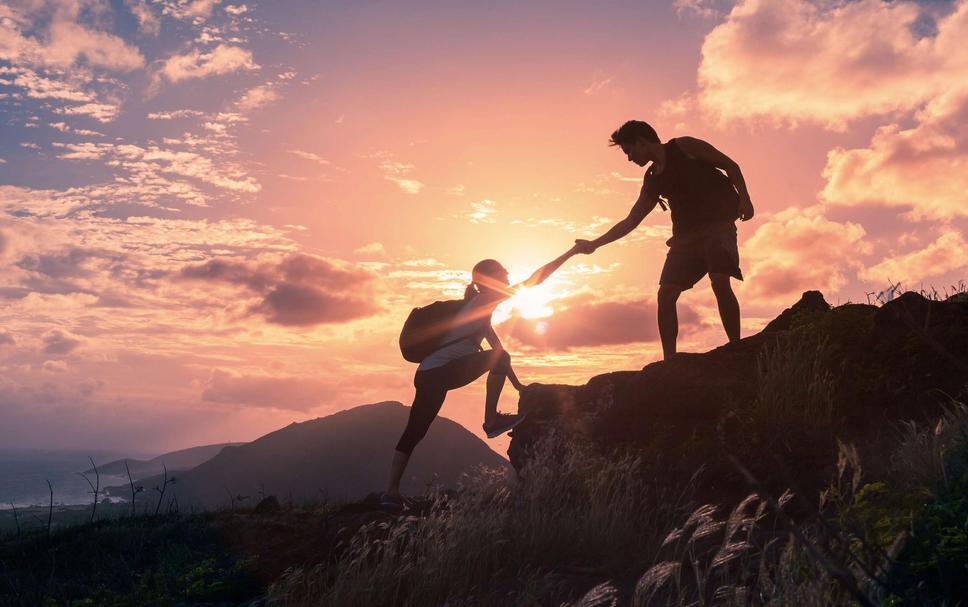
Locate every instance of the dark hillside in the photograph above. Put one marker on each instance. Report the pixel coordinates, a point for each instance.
(343, 456)
(779, 400)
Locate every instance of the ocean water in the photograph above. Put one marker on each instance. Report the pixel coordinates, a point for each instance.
(24, 475)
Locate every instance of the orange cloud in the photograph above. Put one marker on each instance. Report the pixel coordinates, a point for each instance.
(948, 253)
(584, 322)
(800, 249)
(922, 168)
(829, 63)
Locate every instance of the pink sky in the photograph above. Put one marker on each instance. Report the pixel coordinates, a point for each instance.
(215, 216)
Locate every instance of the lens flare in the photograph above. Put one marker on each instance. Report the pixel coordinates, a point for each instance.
(533, 302)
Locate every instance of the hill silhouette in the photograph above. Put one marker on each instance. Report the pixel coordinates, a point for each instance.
(183, 459)
(343, 456)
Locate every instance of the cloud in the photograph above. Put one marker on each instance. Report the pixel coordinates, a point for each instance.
(293, 393)
(257, 97)
(103, 112)
(695, 7)
(57, 341)
(6, 338)
(410, 186)
(70, 41)
(223, 59)
(174, 114)
(62, 40)
(309, 156)
(949, 252)
(148, 164)
(584, 322)
(395, 171)
(298, 290)
(920, 168)
(827, 62)
(600, 82)
(482, 212)
(196, 11)
(306, 305)
(373, 248)
(799, 249)
(148, 21)
(55, 366)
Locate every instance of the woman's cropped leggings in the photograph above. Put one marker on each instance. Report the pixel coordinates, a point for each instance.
(432, 386)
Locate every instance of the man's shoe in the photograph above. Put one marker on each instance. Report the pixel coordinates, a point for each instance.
(501, 423)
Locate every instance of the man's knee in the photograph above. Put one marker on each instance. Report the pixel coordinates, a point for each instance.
(669, 294)
(720, 283)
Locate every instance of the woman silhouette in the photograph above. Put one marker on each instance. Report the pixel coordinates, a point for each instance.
(462, 360)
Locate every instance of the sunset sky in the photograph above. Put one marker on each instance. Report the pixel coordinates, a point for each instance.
(215, 216)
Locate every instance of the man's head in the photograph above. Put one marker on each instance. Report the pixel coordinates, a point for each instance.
(638, 140)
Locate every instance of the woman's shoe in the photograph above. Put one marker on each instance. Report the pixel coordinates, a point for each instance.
(388, 501)
(501, 423)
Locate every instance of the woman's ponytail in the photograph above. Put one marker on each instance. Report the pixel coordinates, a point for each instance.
(471, 291)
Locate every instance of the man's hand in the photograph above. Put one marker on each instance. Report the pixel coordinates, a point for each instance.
(586, 247)
(746, 210)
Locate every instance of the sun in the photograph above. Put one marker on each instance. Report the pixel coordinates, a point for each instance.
(533, 302)
(528, 302)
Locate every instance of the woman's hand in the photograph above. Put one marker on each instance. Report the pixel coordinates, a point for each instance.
(586, 247)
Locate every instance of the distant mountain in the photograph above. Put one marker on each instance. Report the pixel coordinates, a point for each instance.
(343, 456)
(183, 459)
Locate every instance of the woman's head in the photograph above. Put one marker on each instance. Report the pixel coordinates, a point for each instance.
(487, 275)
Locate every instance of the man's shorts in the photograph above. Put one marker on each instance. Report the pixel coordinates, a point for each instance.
(691, 256)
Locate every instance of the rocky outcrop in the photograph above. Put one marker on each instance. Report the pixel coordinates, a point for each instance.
(882, 364)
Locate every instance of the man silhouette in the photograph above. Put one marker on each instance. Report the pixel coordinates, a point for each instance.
(705, 203)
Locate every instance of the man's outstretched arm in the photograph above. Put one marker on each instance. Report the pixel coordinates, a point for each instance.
(643, 206)
(697, 148)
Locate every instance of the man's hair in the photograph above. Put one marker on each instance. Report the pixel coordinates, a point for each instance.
(629, 132)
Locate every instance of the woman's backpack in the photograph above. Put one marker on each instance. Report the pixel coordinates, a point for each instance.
(425, 328)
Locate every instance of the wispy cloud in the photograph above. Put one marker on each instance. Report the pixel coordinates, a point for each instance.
(223, 59)
(309, 156)
(482, 211)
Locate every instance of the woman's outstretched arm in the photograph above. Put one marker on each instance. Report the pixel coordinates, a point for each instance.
(547, 270)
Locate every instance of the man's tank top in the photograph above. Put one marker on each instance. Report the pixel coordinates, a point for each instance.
(698, 193)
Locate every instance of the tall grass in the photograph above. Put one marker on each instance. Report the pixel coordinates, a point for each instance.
(795, 392)
(571, 512)
(577, 515)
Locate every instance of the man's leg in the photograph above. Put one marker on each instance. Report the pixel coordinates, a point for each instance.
(668, 319)
(728, 305)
